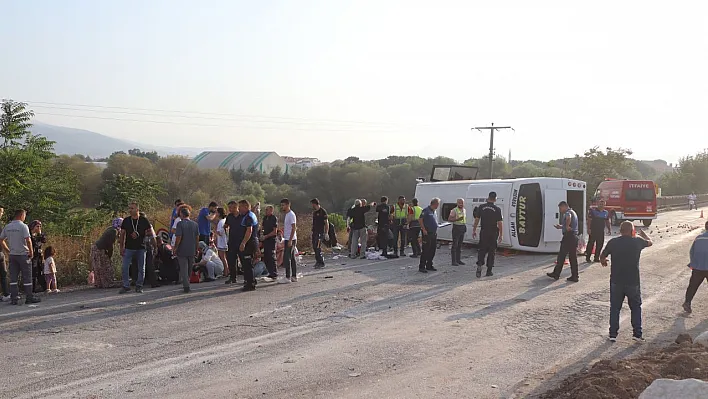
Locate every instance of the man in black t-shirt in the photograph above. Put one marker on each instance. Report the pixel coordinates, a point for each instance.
(232, 220)
(320, 229)
(132, 245)
(358, 227)
(383, 227)
(491, 232)
(625, 252)
(270, 231)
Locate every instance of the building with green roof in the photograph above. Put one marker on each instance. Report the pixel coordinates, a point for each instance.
(261, 161)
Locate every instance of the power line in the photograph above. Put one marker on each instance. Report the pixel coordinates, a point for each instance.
(193, 117)
(209, 125)
(40, 103)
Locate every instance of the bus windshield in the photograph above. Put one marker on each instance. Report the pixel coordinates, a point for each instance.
(639, 194)
(453, 172)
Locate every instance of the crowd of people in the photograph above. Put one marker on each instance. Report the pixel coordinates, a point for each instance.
(229, 242)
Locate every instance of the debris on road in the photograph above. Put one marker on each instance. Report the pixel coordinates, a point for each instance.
(613, 379)
(354, 374)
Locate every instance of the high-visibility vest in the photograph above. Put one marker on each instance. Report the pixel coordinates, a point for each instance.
(459, 213)
(417, 211)
(400, 212)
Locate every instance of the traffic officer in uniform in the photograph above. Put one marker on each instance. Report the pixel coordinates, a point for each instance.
(599, 220)
(429, 226)
(414, 229)
(458, 218)
(401, 214)
(569, 243)
(491, 233)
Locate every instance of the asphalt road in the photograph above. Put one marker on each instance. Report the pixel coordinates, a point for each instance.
(357, 329)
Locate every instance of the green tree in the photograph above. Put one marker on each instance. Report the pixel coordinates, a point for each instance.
(29, 179)
(151, 155)
(276, 175)
(121, 190)
(15, 123)
(596, 165)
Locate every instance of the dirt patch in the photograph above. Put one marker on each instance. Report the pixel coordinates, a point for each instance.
(627, 379)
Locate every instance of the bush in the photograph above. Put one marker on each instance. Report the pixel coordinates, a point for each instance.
(338, 221)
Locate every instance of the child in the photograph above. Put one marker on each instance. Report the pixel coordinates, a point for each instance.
(50, 270)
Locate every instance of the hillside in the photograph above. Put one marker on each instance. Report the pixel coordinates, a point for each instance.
(72, 141)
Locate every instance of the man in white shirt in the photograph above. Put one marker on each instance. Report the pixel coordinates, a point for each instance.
(15, 239)
(210, 262)
(290, 240)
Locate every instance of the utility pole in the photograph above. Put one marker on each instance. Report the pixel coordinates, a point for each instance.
(491, 129)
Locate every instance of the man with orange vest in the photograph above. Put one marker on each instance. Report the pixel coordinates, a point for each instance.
(401, 215)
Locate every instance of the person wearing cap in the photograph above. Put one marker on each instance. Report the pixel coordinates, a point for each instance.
(569, 243)
(429, 226)
(101, 254)
(210, 264)
(39, 284)
(491, 233)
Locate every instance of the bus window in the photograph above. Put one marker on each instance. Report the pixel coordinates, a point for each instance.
(446, 209)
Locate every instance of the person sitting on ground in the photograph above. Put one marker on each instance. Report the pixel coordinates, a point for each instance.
(210, 265)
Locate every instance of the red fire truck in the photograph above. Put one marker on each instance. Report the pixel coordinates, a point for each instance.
(628, 200)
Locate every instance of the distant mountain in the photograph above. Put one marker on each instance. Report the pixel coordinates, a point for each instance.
(72, 141)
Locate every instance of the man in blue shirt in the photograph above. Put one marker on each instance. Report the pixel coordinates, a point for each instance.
(569, 243)
(206, 215)
(699, 267)
(429, 226)
(599, 220)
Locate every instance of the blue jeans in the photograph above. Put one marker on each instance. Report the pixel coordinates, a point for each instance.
(127, 259)
(634, 298)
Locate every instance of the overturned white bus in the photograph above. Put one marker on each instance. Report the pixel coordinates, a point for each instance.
(529, 205)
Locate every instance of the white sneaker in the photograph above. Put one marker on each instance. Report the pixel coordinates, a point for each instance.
(48, 291)
(4, 298)
(284, 280)
(612, 339)
(293, 279)
(56, 290)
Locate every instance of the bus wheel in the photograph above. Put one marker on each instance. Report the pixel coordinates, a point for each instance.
(614, 220)
(646, 223)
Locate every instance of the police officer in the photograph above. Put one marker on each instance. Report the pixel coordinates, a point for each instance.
(401, 214)
(458, 218)
(599, 220)
(429, 225)
(383, 231)
(569, 243)
(491, 232)
(414, 228)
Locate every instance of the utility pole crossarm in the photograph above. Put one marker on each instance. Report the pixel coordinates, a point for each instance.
(491, 144)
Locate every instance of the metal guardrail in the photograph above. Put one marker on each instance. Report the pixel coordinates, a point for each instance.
(679, 201)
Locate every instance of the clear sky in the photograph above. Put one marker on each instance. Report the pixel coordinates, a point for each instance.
(334, 78)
